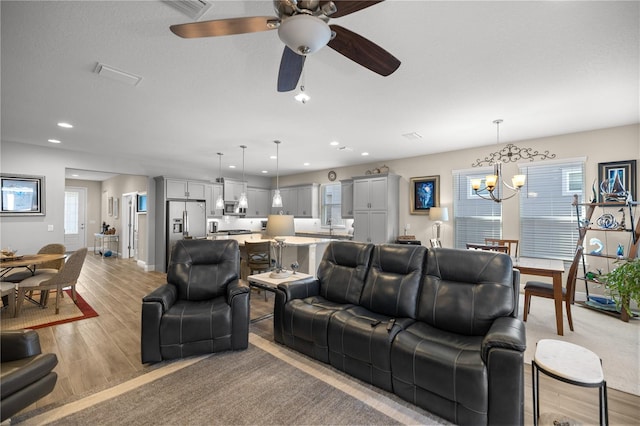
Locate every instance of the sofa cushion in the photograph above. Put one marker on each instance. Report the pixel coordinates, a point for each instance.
(466, 300)
(360, 344)
(343, 269)
(202, 269)
(393, 281)
(305, 323)
(442, 372)
(189, 328)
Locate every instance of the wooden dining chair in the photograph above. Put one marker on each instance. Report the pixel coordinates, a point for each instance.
(487, 247)
(543, 289)
(512, 245)
(66, 277)
(258, 257)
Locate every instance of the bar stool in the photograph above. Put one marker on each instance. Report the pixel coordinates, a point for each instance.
(571, 364)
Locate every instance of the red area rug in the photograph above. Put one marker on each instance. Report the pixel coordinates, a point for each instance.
(34, 317)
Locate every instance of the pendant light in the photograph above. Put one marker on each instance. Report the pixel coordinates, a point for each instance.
(220, 200)
(242, 202)
(277, 198)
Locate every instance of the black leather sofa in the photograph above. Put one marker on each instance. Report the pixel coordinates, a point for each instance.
(437, 327)
(26, 374)
(203, 308)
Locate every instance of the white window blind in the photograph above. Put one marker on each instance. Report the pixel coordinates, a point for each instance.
(331, 196)
(475, 218)
(548, 224)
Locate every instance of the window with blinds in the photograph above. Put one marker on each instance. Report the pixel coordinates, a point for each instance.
(475, 218)
(548, 223)
(331, 205)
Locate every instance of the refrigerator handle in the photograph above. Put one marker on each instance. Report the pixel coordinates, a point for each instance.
(185, 220)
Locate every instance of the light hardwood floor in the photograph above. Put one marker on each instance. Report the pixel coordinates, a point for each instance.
(100, 352)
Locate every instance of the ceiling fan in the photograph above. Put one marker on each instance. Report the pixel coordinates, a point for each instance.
(303, 26)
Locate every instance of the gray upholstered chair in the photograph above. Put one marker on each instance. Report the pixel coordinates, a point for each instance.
(67, 276)
(25, 372)
(203, 307)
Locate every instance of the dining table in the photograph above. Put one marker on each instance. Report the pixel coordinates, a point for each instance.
(29, 261)
(546, 268)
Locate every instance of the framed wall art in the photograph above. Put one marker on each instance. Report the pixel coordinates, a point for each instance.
(615, 178)
(110, 206)
(424, 194)
(22, 195)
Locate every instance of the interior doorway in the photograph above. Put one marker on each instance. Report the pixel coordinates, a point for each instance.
(75, 217)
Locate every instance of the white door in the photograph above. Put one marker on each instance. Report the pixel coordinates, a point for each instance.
(75, 206)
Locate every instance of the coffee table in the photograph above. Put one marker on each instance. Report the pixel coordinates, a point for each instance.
(265, 282)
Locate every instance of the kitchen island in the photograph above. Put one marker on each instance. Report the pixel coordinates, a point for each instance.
(306, 251)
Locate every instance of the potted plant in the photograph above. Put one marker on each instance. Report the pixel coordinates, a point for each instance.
(624, 285)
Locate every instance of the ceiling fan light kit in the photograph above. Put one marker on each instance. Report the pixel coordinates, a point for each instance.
(304, 34)
(303, 28)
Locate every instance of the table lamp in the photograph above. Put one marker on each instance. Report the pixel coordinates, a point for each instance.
(278, 227)
(439, 215)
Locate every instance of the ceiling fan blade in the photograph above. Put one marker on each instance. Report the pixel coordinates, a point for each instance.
(222, 27)
(346, 7)
(290, 70)
(363, 51)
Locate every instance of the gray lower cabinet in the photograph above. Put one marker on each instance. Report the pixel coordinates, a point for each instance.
(375, 208)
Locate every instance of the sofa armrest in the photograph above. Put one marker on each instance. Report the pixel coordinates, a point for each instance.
(237, 287)
(505, 333)
(19, 344)
(166, 295)
(300, 289)
(154, 305)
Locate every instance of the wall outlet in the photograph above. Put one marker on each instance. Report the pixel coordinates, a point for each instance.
(50, 228)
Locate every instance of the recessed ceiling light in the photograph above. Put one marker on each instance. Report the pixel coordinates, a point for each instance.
(65, 125)
(306, 164)
(273, 157)
(364, 154)
(232, 167)
(265, 172)
(334, 143)
(75, 175)
(53, 140)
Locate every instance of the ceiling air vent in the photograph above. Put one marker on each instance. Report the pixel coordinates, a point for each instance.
(192, 8)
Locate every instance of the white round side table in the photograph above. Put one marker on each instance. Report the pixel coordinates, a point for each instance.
(571, 364)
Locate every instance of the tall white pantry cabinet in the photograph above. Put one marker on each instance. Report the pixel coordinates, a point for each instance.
(375, 208)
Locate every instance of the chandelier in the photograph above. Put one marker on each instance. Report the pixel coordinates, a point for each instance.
(494, 182)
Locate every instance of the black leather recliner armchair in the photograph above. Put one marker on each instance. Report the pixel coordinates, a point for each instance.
(26, 373)
(203, 308)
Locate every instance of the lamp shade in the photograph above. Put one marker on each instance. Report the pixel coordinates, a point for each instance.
(304, 34)
(439, 214)
(279, 225)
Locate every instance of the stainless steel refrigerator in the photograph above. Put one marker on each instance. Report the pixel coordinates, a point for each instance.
(185, 219)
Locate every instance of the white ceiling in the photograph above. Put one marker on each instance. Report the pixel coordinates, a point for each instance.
(545, 67)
